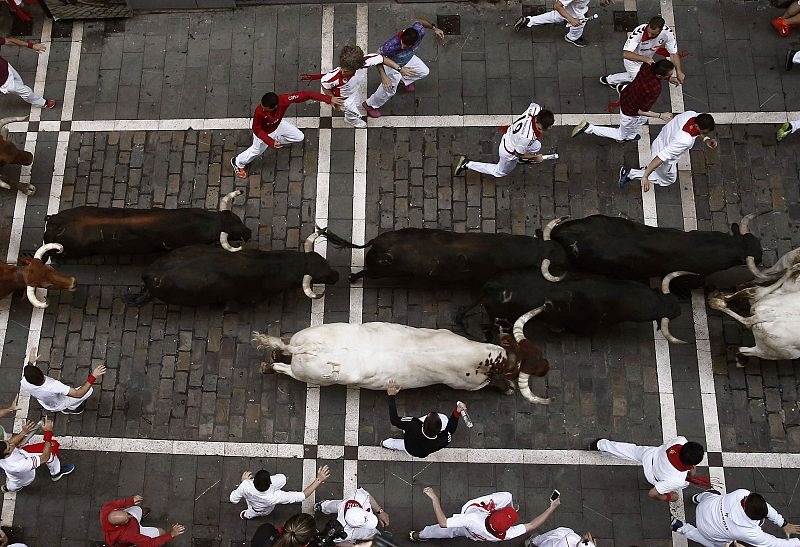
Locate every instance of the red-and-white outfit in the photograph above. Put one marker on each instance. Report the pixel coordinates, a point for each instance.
(53, 395)
(576, 8)
(521, 137)
(640, 43)
(721, 519)
(260, 504)
(355, 514)
(132, 532)
(350, 88)
(560, 537)
(11, 83)
(270, 127)
(662, 466)
(20, 466)
(476, 521)
(675, 138)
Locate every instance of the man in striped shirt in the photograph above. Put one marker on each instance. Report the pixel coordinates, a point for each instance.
(520, 142)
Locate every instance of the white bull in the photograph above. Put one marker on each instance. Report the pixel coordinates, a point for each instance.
(368, 355)
(774, 316)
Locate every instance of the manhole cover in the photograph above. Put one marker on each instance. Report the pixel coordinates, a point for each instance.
(114, 26)
(62, 29)
(625, 21)
(450, 24)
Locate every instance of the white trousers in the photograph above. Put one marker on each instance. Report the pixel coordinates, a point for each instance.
(15, 86)
(663, 175)
(694, 533)
(795, 124)
(624, 451)
(631, 70)
(136, 512)
(434, 531)
(379, 98)
(73, 403)
(286, 133)
(16, 482)
(628, 128)
(352, 108)
(555, 18)
(506, 164)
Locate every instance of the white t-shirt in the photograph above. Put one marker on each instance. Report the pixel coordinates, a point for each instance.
(362, 532)
(560, 537)
(673, 141)
(20, 467)
(576, 8)
(344, 87)
(52, 394)
(648, 48)
(520, 135)
(473, 518)
(722, 519)
(265, 502)
(660, 472)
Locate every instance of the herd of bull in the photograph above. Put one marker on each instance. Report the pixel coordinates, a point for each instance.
(577, 275)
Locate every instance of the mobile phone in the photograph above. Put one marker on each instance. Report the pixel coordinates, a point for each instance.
(555, 495)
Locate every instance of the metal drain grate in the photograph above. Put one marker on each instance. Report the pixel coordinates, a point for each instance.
(625, 21)
(450, 24)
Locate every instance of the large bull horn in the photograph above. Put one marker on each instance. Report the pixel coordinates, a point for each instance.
(546, 272)
(550, 225)
(523, 380)
(6, 121)
(40, 252)
(744, 229)
(519, 324)
(669, 277)
(667, 334)
(225, 205)
(308, 246)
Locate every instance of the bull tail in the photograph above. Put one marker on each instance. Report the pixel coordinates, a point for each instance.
(339, 241)
(265, 341)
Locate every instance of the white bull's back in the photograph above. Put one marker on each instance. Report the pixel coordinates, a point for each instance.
(369, 355)
(777, 327)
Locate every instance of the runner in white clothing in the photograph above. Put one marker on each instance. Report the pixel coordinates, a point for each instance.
(675, 138)
(665, 467)
(20, 462)
(520, 142)
(359, 514)
(735, 516)
(53, 395)
(488, 518)
(560, 537)
(642, 44)
(346, 80)
(564, 11)
(262, 492)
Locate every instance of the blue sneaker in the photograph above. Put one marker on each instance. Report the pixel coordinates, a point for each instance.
(66, 469)
(676, 525)
(623, 177)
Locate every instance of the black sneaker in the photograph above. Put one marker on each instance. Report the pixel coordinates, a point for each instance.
(593, 444)
(620, 87)
(580, 128)
(461, 166)
(521, 23)
(623, 177)
(580, 42)
(66, 469)
(790, 58)
(604, 81)
(677, 524)
(78, 410)
(318, 507)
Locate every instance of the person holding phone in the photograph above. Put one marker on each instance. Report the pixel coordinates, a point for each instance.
(487, 518)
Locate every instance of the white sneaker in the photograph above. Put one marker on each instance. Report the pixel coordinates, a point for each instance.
(359, 124)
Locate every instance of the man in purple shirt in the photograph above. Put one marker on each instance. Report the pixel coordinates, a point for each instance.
(10, 80)
(400, 49)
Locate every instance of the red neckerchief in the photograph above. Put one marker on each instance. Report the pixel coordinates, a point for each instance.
(674, 456)
(501, 535)
(646, 38)
(533, 125)
(691, 130)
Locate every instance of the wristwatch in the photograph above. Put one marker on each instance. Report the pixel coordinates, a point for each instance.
(379, 511)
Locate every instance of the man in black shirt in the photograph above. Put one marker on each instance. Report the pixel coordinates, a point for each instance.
(421, 436)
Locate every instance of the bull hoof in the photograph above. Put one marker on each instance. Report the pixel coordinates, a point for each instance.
(266, 368)
(30, 190)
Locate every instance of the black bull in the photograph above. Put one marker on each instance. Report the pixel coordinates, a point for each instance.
(581, 303)
(200, 275)
(625, 249)
(440, 256)
(85, 231)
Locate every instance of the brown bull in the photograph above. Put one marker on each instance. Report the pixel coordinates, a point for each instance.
(31, 273)
(11, 155)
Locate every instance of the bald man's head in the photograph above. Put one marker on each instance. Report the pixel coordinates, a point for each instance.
(118, 518)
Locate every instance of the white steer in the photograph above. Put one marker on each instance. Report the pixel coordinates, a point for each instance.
(774, 316)
(369, 355)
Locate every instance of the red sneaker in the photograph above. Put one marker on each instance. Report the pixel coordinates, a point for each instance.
(49, 103)
(239, 172)
(781, 26)
(409, 87)
(371, 112)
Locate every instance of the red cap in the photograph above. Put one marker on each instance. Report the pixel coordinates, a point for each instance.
(503, 519)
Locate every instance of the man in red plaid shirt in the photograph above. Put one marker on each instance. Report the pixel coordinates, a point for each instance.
(635, 103)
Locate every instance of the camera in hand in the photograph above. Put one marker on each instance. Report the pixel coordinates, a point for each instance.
(333, 530)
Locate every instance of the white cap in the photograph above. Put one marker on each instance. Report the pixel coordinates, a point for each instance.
(359, 518)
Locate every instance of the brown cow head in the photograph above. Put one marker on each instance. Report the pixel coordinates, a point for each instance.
(36, 273)
(11, 155)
